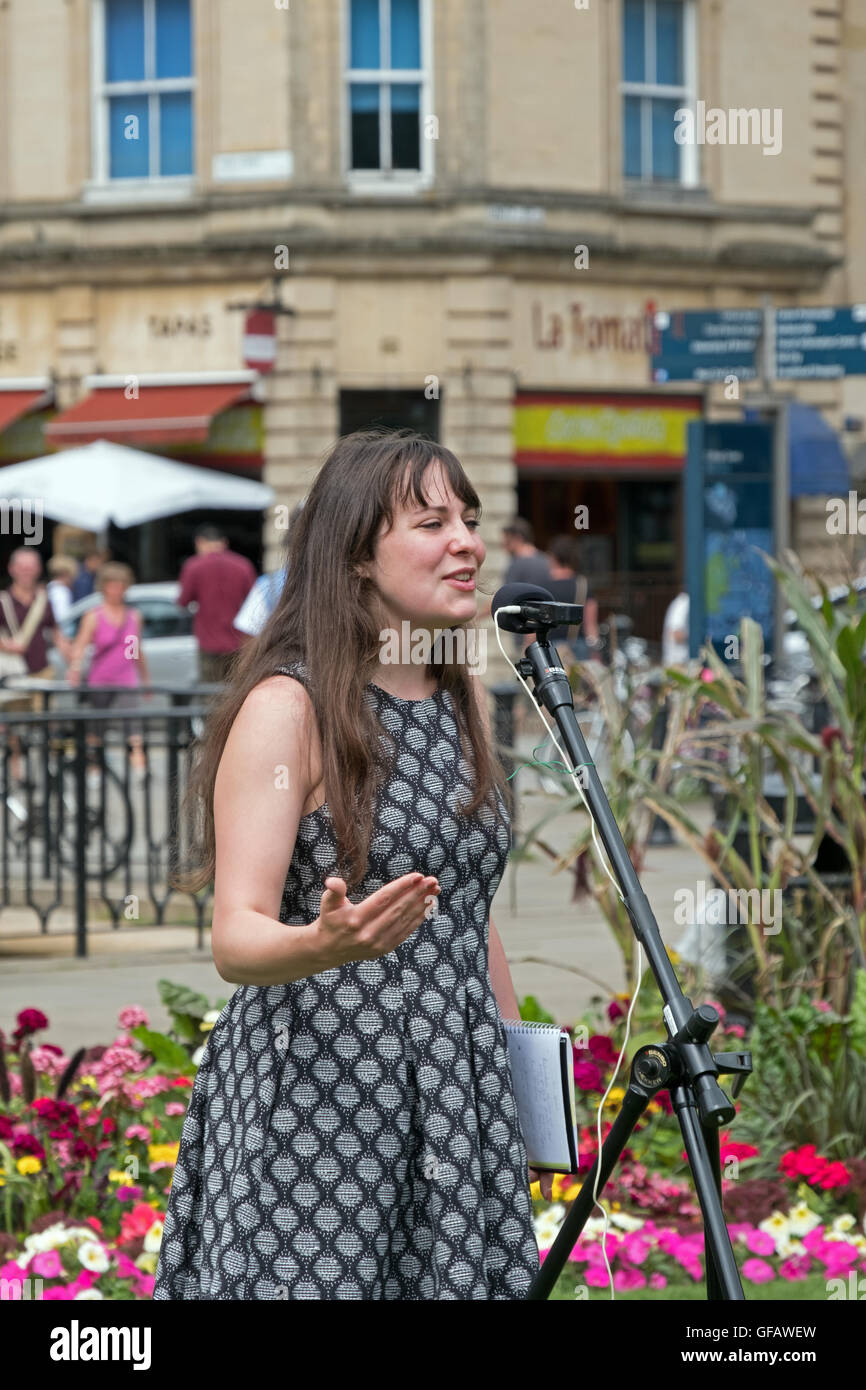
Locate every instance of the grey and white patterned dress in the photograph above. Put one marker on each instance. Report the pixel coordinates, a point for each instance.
(353, 1135)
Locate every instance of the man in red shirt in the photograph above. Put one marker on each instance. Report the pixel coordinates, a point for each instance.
(218, 580)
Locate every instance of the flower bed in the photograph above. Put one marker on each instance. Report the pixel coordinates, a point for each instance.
(88, 1145)
(792, 1212)
(87, 1148)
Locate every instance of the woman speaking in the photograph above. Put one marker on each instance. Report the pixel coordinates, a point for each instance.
(352, 1131)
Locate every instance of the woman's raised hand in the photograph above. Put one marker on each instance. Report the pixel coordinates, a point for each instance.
(372, 928)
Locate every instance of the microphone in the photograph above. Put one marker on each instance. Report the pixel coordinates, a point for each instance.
(537, 609)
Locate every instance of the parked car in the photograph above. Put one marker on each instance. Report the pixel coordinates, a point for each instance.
(167, 638)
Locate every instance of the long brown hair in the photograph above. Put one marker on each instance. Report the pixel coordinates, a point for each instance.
(326, 618)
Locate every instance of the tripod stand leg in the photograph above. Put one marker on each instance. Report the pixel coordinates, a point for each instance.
(724, 1282)
(633, 1106)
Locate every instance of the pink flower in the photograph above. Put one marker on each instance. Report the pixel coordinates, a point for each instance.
(137, 1132)
(147, 1284)
(133, 1016)
(760, 1243)
(47, 1264)
(12, 1270)
(629, 1279)
(797, 1267)
(175, 1107)
(596, 1277)
(823, 1006)
(758, 1271)
(47, 1063)
(56, 1291)
(657, 1281)
(128, 1193)
(736, 1029)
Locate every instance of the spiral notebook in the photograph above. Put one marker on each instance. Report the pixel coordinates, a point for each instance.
(542, 1073)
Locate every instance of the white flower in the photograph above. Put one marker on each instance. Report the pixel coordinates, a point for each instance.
(547, 1225)
(153, 1237)
(844, 1223)
(146, 1262)
(802, 1219)
(786, 1247)
(197, 1055)
(93, 1256)
(211, 1016)
(776, 1225)
(626, 1223)
(88, 1293)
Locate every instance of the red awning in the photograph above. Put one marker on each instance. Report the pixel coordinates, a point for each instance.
(154, 415)
(14, 404)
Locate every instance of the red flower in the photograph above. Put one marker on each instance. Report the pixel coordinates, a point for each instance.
(602, 1049)
(81, 1149)
(55, 1111)
(25, 1143)
(588, 1076)
(30, 1021)
(615, 1010)
(819, 1172)
(732, 1148)
(108, 1125)
(834, 1175)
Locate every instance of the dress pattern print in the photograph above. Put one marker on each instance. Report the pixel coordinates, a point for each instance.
(354, 1134)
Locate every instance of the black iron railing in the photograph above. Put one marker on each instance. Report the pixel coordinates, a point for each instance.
(82, 826)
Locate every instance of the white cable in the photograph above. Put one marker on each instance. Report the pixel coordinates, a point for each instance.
(602, 859)
(573, 772)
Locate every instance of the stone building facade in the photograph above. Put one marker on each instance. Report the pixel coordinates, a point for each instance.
(472, 209)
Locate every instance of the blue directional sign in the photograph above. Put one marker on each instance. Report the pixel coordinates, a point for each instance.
(729, 520)
(694, 345)
(820, 344)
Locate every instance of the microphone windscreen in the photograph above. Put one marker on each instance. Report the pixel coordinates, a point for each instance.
(516, 593)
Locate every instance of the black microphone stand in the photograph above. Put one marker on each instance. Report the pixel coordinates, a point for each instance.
(684, 1063)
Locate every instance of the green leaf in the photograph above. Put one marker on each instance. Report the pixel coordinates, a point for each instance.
(858, 1015)
(182, 1000)
(532, 1012)
(164, 1050)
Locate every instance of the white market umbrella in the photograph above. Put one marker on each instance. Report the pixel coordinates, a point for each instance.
(103, 482)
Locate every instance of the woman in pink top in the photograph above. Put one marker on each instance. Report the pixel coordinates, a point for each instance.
(114, 629)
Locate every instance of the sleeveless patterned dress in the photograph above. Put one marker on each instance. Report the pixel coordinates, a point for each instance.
(354, 1135)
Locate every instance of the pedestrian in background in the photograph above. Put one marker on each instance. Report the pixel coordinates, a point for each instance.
(218, 580)
(264, 596)
(568, 585)
(64, 571)
(27, 625)
(114, 628)
(85, 579)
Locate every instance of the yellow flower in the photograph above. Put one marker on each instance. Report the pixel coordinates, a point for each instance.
(88, 1081)
(155, 1202)
(29, 1164)
(86, 1105)
(616, 1097)
(147, 1262)
(673, 956)
(118, 1175)
(653, 1108)
(535, 1190)
(163, 1153)
(2, 1178)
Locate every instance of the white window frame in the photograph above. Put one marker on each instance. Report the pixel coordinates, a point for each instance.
(102, 186)
(686, 95)
(393, 180)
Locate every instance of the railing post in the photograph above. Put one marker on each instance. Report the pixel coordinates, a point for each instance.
(80, 834)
